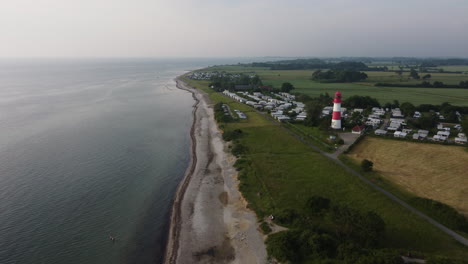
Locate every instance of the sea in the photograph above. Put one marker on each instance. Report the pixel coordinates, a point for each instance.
(89, 149)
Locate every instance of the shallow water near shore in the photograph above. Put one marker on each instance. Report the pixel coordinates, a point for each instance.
(89, 149)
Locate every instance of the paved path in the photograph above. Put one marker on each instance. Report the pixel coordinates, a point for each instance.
(334, 158)
(348, 138)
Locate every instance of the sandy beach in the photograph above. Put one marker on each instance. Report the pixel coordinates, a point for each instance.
(210, 222)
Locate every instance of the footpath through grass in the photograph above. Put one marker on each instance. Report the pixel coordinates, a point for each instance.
(285, 173)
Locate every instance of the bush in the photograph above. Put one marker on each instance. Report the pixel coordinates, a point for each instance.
(241, 164)
(232, 135)
(238, 149)
(367, 165)
(286, 216)
(266, 229)
(360, 229)
(318, 204)
(322, 245)
(444, 260)
(443, 213)
(284, 246)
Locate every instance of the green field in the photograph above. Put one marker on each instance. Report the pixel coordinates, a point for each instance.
(286, 172)
(301, 80)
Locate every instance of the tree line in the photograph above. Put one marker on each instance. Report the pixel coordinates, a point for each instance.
(426, 84)
(349, 236)
(338, 76)
(228, 82)
(303, 64)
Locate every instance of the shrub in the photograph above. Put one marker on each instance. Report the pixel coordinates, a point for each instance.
(232, 135)
(284, 246)
(286, 216)
(238, 149)
(444, 260)
(241, 164)
(367, 165)
(361, 229)
(317, 204)
(266, 229)
(441, 212)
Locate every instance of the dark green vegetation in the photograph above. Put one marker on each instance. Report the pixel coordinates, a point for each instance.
(357, 101)
(445, 260)
(287, 87)
(266, 229)
(397, 72)
(278, 173)
(330, 232)
(229, 81)
(221, 114)
(367, 165)
(301, 64)
(426, 84)
(337, 76)
(442, 213)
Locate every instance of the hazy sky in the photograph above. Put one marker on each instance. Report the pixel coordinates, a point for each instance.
(71, 28)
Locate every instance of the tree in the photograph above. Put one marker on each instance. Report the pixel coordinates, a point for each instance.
(408, 108)
(314, 110)
(357, 101)
(286, 87)
(464, 125)
(399, 74)
(367, 165)
(427, 76)
(414, 74)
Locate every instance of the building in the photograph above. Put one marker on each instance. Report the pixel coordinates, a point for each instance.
(336, 117)
(358, 129)
(380, 132)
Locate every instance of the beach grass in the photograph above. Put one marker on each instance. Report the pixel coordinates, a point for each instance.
(285, 173)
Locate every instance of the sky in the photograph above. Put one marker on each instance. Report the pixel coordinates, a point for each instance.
(233, 28)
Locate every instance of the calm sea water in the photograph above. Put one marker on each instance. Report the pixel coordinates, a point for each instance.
(88, 149)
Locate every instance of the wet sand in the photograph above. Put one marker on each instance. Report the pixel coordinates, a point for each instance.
(210, 222)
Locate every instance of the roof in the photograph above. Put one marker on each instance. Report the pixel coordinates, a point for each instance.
(359, 128)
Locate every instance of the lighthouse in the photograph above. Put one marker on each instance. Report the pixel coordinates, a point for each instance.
(336, 117)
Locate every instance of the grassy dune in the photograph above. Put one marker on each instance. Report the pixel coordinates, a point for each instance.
(426, 170)
(286, 172)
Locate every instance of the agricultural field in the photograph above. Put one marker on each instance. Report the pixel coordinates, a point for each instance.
(427, 170)
(286, 172)
(301, 80)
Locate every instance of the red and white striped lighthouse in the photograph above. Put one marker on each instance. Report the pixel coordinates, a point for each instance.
(336, 117)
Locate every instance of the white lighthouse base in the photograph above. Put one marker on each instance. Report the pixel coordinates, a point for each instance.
(336, 124)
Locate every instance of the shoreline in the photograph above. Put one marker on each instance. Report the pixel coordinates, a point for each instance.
(210, 222)
(172, 246)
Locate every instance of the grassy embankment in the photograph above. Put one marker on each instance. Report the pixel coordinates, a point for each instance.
(287, 172)
(409, 168)
(301, 80)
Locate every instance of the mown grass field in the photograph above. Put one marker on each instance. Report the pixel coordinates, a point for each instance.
(287, 172)
(427, 170)
(301, 80)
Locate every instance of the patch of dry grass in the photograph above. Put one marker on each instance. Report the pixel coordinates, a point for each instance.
(427, 170)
